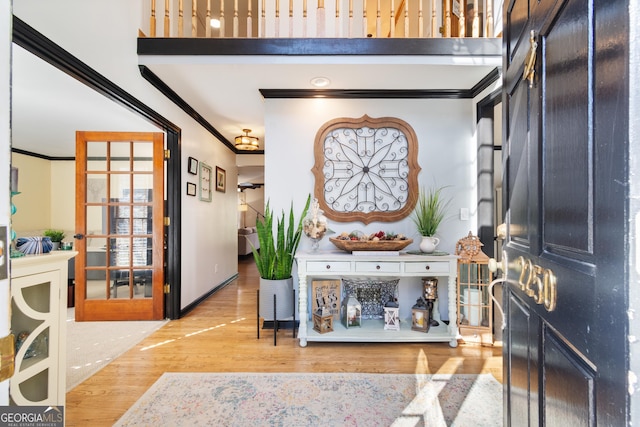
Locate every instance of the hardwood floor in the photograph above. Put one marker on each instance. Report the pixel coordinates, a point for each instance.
(220, 336)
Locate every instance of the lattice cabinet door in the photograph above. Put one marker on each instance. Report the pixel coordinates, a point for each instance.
(475, 309)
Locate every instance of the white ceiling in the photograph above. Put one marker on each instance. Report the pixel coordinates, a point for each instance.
(48, 106)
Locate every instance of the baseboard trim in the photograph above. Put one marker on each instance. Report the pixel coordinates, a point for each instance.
(215, 289)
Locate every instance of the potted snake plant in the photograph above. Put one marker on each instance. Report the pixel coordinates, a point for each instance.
(275, 258)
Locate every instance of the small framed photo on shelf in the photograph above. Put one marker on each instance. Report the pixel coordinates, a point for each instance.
(191, 189)
(205, 182)
(221, 179)
(192, 166)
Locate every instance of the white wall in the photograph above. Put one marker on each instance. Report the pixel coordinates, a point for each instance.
(447, 153)
(5, 153)
(104, 36)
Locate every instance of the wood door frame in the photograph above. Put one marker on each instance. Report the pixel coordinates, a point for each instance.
(37, 44)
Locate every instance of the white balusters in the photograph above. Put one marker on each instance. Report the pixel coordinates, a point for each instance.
(489, 25)
(167, 32)
(249, 20)
(207, 20)
(320, 18)
(406, 18)
(152, 20)
(194, 18)
(180, 18)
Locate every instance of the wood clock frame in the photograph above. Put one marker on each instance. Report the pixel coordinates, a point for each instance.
(366, 169)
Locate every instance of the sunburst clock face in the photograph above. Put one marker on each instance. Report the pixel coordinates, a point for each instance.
(366, 169)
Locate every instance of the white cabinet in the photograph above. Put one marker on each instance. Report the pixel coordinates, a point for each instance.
(38, 318)
(338, 265)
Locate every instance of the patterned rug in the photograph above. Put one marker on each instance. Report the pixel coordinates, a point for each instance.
(328, 400)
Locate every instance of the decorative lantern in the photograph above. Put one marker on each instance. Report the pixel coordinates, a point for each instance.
(475, 310)
(420, 316)
(351, 312)
(323, 320)
(430, 294)
(391, 316)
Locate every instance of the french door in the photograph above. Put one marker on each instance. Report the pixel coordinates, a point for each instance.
(119, 226)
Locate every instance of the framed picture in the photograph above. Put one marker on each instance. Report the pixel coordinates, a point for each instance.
(191, 189)
(192, 167)
(221, 179)
(326, 293)
(205, 182)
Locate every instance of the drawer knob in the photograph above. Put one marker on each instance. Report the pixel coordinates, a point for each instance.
(328, 267)
(427, 267)
(377, 267)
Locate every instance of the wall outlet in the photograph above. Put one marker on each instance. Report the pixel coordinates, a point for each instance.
(464, 214)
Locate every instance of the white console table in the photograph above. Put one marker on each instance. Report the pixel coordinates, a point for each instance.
(328, 265)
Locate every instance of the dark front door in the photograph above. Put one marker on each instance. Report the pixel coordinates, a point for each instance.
(566, 154)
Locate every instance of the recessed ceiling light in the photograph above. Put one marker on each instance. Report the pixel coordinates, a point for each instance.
(320, 81)
(215, 23)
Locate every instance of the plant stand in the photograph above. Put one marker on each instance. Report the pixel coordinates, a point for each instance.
(275, 324)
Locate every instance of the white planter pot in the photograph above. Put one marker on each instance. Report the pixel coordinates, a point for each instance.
(428, 244)
(283, 290)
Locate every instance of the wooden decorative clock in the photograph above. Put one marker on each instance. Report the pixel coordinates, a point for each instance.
(366, 169)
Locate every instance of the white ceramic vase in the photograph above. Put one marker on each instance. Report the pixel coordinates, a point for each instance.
(428, 244)
(283, 290)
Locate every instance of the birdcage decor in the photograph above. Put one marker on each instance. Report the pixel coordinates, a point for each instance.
(351, 312)
(475, 309)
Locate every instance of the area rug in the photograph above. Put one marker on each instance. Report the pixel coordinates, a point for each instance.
(93, 345)
(253, 399)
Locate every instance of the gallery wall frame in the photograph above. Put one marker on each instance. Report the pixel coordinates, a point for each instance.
(192, 166)
(205, 182)
(191, 189)
(221, 179)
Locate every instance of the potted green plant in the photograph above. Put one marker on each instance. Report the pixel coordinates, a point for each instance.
(56, 237)
(429, 212)
(275, 260)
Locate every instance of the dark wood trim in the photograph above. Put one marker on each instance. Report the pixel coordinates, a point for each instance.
(364, 93)
(321, 46)
(485, 82)
(384, 93)
(41, 156)
(36, 43)
(157, 82)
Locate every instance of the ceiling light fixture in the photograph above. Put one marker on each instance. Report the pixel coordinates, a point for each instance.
(246, 142)
(320, 81)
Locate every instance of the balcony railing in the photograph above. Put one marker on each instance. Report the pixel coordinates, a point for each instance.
(320, 18)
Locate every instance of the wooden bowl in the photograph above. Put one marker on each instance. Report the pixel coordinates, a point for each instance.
(380, 245)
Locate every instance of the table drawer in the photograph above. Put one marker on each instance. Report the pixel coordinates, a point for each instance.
(377, 267)
(328, 266)
(427, 267)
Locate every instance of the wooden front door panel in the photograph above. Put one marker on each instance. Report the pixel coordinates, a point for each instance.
(565, 152)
